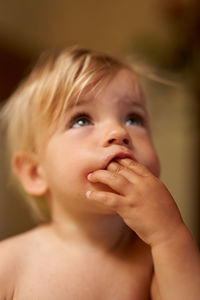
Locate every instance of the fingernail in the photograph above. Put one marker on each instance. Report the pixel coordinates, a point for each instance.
(89, 176)
(88, 193)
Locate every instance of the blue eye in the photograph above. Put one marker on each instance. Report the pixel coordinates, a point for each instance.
(81, 120)
(135, 120)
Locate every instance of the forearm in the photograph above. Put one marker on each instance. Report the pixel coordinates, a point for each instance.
(177, 267)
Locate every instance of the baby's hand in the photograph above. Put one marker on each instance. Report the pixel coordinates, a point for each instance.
(140, 198)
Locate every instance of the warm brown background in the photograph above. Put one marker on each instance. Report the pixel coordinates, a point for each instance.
(165, 32)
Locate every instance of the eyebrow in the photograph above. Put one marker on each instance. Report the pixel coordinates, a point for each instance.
(125, 99)
(130, 101)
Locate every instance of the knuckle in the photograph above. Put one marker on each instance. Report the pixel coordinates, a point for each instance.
(119, 179)
(110, 200)
(114, 203)
(113, 176)
(106, 198)
(131, 164)
(118, 169)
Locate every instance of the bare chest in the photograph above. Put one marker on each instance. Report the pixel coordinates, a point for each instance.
(85, 278)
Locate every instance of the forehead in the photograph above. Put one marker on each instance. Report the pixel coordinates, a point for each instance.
(123, 88)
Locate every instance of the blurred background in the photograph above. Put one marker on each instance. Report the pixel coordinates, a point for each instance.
(162, 34)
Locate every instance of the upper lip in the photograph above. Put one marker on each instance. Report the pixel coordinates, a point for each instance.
(120, 154)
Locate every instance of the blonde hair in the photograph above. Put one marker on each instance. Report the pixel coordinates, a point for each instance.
(32, 113)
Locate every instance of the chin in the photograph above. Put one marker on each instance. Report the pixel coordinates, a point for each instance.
(98, 208)
(101, 209)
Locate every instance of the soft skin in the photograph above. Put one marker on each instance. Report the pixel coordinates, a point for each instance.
(87, 251)
(140, 198)
(147, 207)
(116, 121)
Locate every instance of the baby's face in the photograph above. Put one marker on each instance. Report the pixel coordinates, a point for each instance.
(101, 126)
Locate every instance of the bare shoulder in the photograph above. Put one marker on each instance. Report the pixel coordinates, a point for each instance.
(13, 253)
(14, 247)
(13, 250)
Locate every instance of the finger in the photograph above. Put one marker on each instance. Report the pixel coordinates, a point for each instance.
(118, 168)
(111, 200)
(115, 181)
(134, 166)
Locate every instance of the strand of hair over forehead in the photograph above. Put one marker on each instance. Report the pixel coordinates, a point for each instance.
(68, 79)
(52, 85)
(46, 93)
(154, 74)
(44, 97)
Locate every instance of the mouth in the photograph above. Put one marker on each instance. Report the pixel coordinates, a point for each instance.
(116, 156)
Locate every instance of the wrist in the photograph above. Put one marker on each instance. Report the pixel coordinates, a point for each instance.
(179, 235)
(177, 265)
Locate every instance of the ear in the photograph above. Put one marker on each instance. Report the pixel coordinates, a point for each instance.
(29, 173)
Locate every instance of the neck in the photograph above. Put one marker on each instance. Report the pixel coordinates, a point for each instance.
(107, 232)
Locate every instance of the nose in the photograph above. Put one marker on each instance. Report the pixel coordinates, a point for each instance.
(117, 135)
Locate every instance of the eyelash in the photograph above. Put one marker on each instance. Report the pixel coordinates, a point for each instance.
(138, 118)
(83, 114)
(77, 116)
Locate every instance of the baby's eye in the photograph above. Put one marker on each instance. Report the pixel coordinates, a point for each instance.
(80, 120)
(135, 120)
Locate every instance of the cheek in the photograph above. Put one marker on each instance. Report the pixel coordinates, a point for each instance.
(67, 170)
(149, 158)
(154, 166)
(152, 163)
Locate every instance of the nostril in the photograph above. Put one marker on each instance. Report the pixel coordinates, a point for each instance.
(111, 141)
(126, 141)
